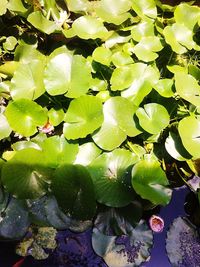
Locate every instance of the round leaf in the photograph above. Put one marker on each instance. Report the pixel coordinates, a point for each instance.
(88, 27)
(144, 28)
(83, 116)
(102, 55)
(153, 118)
(117, 124)
(5, 129)
(55, 116)
(74, 191)
(24, 175)
(149, 181)
(110, 173)
(189, 130)
(24, 116)
(145, 8)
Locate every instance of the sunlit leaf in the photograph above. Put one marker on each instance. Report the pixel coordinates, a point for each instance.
(41, 23)
(25, 176)
(56, 116)
(187, 87)
(88, 27)
(116, 125)
(121, 58)
(17, 6)
(145, 8)
(24, 116)
(110, 173)
(164, 87)
(10, 43)
(77, 5)
(5, 129)
(27, 81)
(142, 29)
(3, 7)
(73, 189)
(189, 130)
(83, 116)
(87, 153)
(150, 181)
(153, 118)
(102, 55)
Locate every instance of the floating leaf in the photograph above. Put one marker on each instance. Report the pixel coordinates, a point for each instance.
(142, 29)
(175, 147)
(5, 129)
(27, 81)
(183, 243)
(110, 173)
(15, 220)
(116, 125)
(3, 8)
(57, 151)
(24, 116)
(187, 87)
(77, 5)
(114, 12)
(56, 116)
(87, 153)
(121, 58)
(88, 27)
(150, 181)
(164, 87)
(144, 77)
(145, 8)
(102, 55)
(189, 130)
(129, 248)
(153, 118)
(181, 15)
(146, 49)
(41, 23)
(16, 6)
(74, 191)
(10, 43)
(83, 116)
(24, 175)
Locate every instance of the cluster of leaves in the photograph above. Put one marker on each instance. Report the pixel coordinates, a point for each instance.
(99, 105)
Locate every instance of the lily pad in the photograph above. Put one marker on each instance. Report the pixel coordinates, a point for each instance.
(189, 130)
(142, 29)
(184, 81)
(3, 7)
(27, 81)
(83, 117)
(24, 116)
(150, 181)
(116, 125)
(145, 8)
(110, 173)
(74, 191)
(128, 249)
(24, 175)
(183, 243)
(88, 27)
(5, 129)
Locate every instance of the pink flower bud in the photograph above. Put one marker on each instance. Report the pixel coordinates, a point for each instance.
(156, 223)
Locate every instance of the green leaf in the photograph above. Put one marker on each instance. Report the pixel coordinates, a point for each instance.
(175, 148)
(102, 55)
(83, 116)
(88, 27)
(20, 145)
(77, 5)
(25, 176)
(165, 87)
(146, 49)
(16, 6)
(57, 151)
(150, 181)
(56, 116)
(3, 7)
(66, 73)
(9, 67)
(181, 15)
(189, 130)
(87, 153)
(114, 12)
(10, 43)
(5, 129)
(187, 87)
(142, 29)
(121, 58)
(57, 74)
(110, 173)
(42, 24)
(24, 116)
(117, 124)
(25, 53)
(27, 81)
(153, 118)
(144, 78)
(179, 37)
(74, 191)
(145, 8)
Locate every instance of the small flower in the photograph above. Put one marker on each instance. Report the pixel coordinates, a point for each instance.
(156, 223)
(47, 128)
